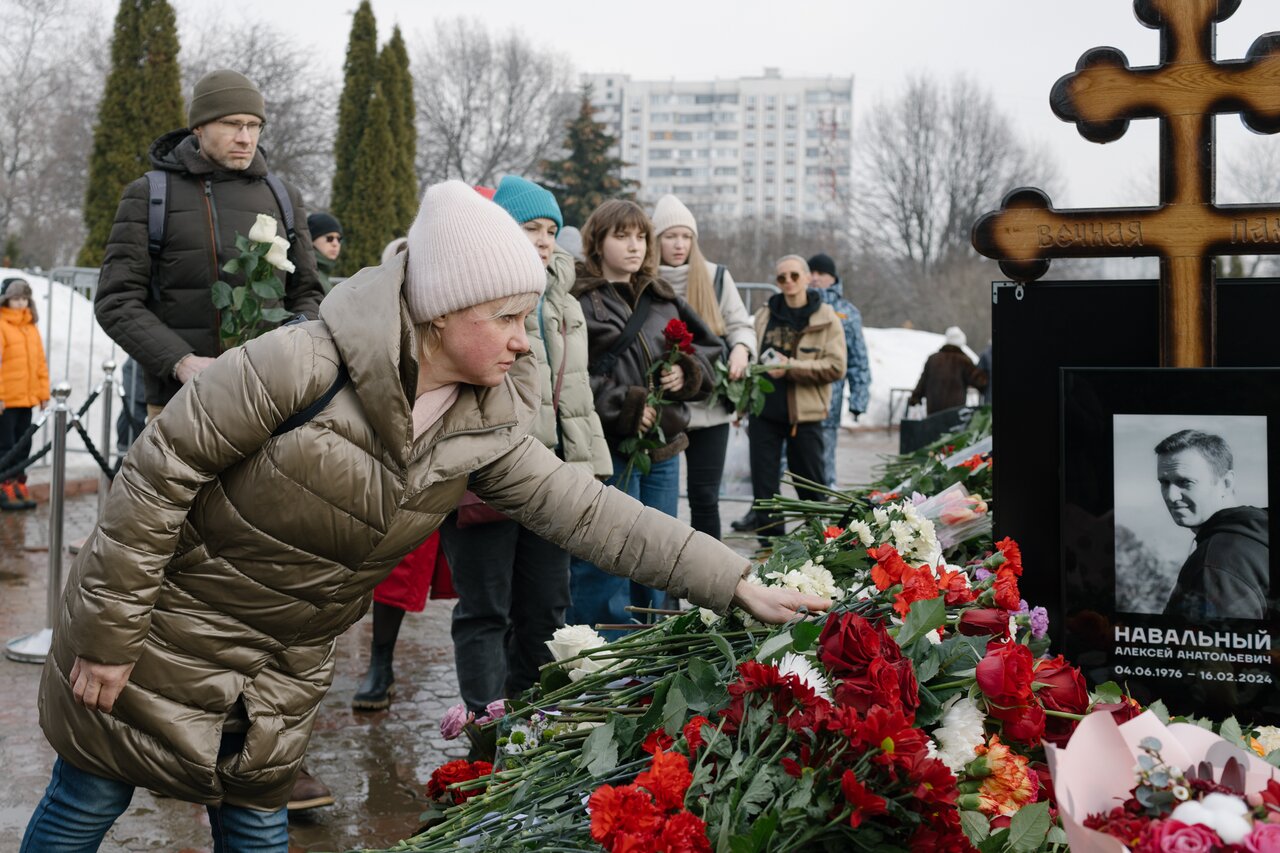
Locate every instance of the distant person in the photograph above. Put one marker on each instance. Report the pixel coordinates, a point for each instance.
(712, 294)
(823, 278)
(947, 376)
(1228, 575)
(801, 334)
(326, 239)
(984, 364)
(570, 239)
(24, 385)
(157, 305)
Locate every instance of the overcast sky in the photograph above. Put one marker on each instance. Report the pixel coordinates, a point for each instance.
(1016, 48)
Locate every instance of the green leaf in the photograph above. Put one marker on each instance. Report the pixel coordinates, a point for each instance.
(243, 244)
(1108, 692)
(923, 617)
(266, 288)
(599, 751)
(1057, 835)
(674, 711)
(758, 839)
(759, 792)
(653, 717)
(275, 315)
(1029, 827)
(237, 297)
(995, 843)
(1158, 708)
(804, 635)
(976, 826)
(774, 647)
(232, 266)
(553, 678)
(221, 295)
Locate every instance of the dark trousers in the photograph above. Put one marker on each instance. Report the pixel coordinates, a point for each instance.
(804, 458)
(704, 464)
(513, 589)
(13, 423)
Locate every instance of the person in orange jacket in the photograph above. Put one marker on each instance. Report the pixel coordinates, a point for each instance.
(24, 385)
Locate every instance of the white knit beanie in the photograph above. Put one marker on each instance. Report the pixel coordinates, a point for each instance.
(954, 335)
(671, 212)
(465, 250)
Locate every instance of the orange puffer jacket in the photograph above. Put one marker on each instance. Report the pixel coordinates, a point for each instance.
(24, 377)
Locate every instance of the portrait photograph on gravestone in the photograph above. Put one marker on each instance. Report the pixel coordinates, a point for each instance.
(1168, 582)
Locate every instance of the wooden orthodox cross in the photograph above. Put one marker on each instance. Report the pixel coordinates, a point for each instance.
(1185, 91)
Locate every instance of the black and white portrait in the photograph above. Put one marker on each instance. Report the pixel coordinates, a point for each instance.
(1191, 521)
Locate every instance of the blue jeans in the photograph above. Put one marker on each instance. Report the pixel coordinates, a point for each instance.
(601, 597)
(79, 808)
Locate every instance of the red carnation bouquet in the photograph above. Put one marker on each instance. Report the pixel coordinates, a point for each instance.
(638, 447)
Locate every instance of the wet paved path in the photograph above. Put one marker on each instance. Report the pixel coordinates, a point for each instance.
(376, 764)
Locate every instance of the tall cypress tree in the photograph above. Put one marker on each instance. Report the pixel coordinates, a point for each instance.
(142, 99)
(397, 86)
(366, 227)
(360, 74)
(587, 174)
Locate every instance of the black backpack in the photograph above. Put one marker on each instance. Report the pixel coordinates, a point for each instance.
(158, 200)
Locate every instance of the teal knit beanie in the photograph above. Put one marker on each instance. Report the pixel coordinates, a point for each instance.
(525, 200)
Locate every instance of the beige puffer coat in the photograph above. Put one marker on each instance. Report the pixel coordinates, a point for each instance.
(558, 333)
(227, 560)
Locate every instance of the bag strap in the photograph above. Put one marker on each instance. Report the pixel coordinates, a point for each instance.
(604, 364)
(299, 418)
(157, 200)
(719, 283)
(285, 204)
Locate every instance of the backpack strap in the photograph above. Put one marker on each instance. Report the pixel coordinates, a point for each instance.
(158, 198)
(285, 204)
(603, 365)
(300, 417)
(719, 283)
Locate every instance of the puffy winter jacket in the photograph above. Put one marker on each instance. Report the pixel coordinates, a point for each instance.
(24, 376)
(620, 394)
(227, 560)
(160, 309)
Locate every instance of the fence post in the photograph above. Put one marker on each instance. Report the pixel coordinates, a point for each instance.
(34, 648)
(108, 397)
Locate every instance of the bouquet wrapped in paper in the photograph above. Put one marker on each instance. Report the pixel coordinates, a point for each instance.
(956, 514)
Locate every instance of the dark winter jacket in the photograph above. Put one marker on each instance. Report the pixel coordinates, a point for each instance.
(325, 270)
(620, 394)
(160, 310)
(1228, 574)
(858, 364)
(946, 376)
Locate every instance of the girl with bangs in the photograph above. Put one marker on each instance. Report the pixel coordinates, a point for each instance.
(627, 307)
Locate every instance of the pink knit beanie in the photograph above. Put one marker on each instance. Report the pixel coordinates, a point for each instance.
(464, 250)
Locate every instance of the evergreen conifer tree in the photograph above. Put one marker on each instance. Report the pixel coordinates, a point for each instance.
(360, 74)
(397, 86)
(141, 100)
(587, 174)
(366, 226)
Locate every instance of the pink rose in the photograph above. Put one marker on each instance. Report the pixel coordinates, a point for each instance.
(454, 721)
(1174, 836)
(495, 710)
(1265, 838)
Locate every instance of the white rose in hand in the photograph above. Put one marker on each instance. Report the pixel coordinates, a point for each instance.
(278, 254)
(263, 230)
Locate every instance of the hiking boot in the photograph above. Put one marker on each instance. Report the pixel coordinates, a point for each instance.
(9, 499)
(20, 489)
(309, 793)
(379, 682)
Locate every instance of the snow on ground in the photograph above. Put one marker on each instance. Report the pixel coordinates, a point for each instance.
(897, 358)
(76, 348)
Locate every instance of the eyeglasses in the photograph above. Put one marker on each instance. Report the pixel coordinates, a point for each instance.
(234, 127)
(332, 238)
(782, 277)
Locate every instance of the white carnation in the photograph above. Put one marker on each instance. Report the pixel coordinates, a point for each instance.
(881, 517)
(1269, 739)
(802, 668)
(863, 531)
(960, 734)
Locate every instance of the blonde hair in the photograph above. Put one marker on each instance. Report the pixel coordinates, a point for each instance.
(804, 265)
(701, 294)
(428, 334)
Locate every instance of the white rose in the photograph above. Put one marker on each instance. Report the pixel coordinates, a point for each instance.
(278, 254)
(263, 230)
(572, 640)
(1269, 737)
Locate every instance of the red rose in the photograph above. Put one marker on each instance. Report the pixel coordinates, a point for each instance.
(678, 335)
(1060, 687)
(867, 665)
(849, 643)
(1025, 723)
(1004, 675)
(1122, 712)
(985, 622)
(1174, 836)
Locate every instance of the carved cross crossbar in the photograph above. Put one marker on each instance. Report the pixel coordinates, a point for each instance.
(1185, 91)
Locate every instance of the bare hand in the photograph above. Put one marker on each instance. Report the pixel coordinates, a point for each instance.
(97, 685)
(672, 378)
(190, 366)
(738, 359)
(779, 372)
(647, 418)
(773, 604)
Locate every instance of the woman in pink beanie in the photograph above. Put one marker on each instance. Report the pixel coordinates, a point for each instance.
(255, 514)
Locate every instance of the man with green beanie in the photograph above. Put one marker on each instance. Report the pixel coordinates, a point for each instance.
(176, 227)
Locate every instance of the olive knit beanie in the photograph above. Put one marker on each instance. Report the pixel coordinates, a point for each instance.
(671, 212)
(224, 93)
(525, 200)
(464, 250)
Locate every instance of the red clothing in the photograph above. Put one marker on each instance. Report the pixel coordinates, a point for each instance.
(422, 571)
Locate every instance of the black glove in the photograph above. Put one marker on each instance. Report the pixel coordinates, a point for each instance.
(855, 414)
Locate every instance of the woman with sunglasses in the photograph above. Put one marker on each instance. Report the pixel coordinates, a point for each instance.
(713, 295)
(802, 336)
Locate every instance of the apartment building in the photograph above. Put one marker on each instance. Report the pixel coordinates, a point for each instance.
(764, 147)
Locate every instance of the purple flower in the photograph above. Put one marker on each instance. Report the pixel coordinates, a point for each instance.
(495, 710)
(1039, 622)
(1023, 607)
(982, 574)
(454, 721)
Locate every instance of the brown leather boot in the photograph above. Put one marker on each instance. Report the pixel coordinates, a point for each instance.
(309, 793)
